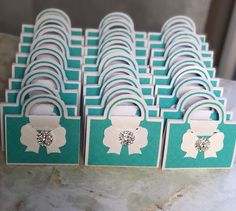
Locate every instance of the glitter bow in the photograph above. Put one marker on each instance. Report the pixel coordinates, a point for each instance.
(193, 144)
(51, 139)
(134, 139)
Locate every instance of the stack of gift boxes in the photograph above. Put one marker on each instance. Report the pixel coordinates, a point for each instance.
(40, 120)
(198, 133)
(123, 127)
(147, 99)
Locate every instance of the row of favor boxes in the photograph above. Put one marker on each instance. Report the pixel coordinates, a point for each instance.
(115, 97)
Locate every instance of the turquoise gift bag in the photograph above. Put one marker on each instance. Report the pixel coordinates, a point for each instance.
(124, 140)
(42, 139)
(200, 143)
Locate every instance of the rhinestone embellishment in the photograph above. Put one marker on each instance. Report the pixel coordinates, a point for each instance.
(202, 144)
(126, 137)
(44, 138)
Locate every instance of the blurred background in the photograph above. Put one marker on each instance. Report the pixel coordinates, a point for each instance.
(216, 18)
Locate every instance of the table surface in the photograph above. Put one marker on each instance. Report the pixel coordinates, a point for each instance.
(95, 188)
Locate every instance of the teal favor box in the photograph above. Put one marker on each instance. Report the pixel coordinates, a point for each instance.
(124, 140)
(25, 132)
(200, 143)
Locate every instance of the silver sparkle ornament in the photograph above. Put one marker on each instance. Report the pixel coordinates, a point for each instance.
(44, 138)
(126, 137)
(202, 144)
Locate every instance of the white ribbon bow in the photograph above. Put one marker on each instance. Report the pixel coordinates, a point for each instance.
(113, 139)
(29, 139)
(216, 143)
